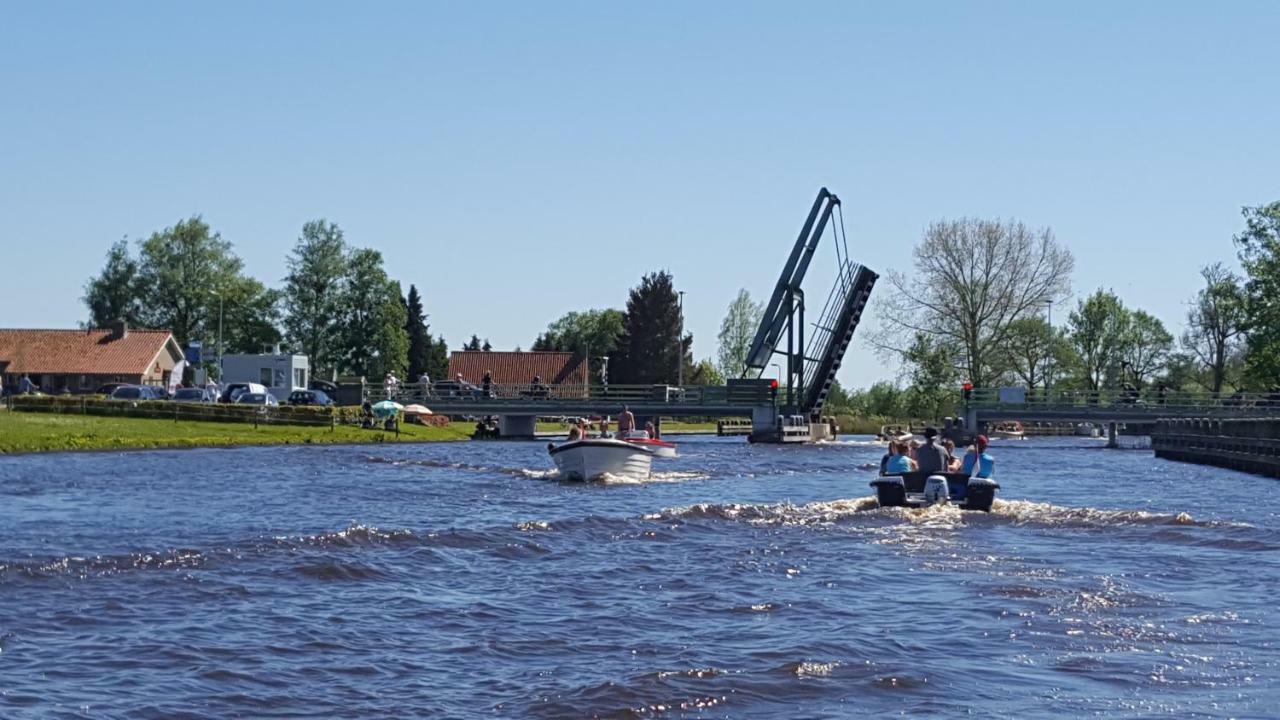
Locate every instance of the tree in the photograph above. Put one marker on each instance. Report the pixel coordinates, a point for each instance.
(416, 330)
(704, 372)
(882, 399)
(837, 398)
(181, 270)
(1032, 350)
(934, 380)
(113, 294)
(1146, 347)
(1259, 248)
(736, 333)
(313, 293)
(251, 316)
(1097, 330)
(970, 280)
(486, 347)
(473, 345)
(1215, 323)
(594, 331)
(651, 349)
(373, 317)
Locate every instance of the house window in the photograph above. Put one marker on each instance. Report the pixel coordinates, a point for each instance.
(300, 377)
(264, 377)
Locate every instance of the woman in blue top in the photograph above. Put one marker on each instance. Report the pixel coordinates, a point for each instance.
(986, 463)
(899, 462)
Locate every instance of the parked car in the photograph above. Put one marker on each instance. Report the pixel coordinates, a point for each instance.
(135, 393)
(233, 390)
(256, 398)
(194, 395)
(309, 397)
(328, 388)
(109, 388)
(455, 388)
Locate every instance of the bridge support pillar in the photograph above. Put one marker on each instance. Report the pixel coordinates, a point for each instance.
(1113, 434)
(516, 426)
(971, 420)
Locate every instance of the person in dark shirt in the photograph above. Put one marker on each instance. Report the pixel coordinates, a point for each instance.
(930, 457)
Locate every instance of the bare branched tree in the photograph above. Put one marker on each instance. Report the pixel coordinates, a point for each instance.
(971, 280)
(1215, 322)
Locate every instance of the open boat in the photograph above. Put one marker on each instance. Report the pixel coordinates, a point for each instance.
(921, 489)
(1010, 430)
(593, 458)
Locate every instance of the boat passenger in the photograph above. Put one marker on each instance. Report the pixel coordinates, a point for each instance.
(890, 451)
(899, 462)
(986, 463)
(626, 422)
(604, 427)
(652, 430)
(953, 462)
(574, 434)
(931, 457)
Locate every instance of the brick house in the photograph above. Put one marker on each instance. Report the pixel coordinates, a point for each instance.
(80, 361)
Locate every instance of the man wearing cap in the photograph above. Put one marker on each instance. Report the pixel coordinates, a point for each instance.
(931, 458)
(986, 463)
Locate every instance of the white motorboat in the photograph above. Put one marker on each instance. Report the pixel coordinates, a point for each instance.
(594, 458)
(1010, 430)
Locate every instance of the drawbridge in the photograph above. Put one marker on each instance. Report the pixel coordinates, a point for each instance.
(810, 363)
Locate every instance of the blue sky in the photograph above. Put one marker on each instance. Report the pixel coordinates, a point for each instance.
(520, 160)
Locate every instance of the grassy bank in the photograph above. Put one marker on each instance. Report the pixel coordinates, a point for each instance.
(42, 432)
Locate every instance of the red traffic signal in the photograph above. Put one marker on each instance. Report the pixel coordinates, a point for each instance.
(967, 386)
(773, 384)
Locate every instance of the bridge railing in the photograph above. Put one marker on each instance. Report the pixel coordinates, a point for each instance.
(1151, 400)
(453, 393)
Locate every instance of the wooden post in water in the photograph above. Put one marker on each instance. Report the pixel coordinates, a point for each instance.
(1113, 435)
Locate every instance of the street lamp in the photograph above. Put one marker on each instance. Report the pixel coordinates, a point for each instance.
(778, 369)
(219, 295)
(680, 345)
(1048, 358)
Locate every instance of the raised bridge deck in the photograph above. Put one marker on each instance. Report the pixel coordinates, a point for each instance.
(561, 400)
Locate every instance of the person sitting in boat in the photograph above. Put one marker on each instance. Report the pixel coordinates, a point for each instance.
(574, 433)
(626, 422)
(891, 449)
(604, 427)
(652, 429)
(986, 464)
(930, 457)
(899, 462)
(953, 462)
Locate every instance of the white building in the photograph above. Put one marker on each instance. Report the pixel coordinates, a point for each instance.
(280, 373)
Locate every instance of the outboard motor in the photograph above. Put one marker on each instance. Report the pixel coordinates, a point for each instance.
(935, 490)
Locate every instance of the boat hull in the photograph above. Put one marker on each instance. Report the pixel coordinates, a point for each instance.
(911, 490)
(595, 459)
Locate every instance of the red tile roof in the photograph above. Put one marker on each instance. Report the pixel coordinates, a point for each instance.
(517, 368)
(82, 352)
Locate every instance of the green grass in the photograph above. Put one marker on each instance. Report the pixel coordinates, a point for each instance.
(22, 432)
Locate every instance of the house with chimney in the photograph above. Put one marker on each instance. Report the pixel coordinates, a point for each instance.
(80, 361)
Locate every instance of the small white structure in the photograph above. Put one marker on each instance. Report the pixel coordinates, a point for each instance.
(281, 373)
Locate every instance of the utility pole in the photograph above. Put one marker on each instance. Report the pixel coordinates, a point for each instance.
(680, 345)
(219, 294)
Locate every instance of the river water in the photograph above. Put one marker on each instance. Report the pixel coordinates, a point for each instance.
(464, 580)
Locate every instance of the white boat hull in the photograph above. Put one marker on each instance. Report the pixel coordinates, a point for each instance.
(594, 459)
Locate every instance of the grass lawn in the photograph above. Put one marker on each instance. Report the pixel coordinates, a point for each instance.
(41, 432)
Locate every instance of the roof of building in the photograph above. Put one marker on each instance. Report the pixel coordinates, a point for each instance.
(517, 368)
(83, 352)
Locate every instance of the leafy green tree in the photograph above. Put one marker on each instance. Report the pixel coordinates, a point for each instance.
(373, 317)
(651, 349)
(438, 358)
(704, 372)
(1215, 323)
(251, 316)
(1259, 247)
(314, 291)
(1097, 330)
(594, 331)
(736, 333)
(882, 399)
(181, 270)
(1146, 346)
(113, 294)
(934, 378)
(838, 398)
(1032, 350)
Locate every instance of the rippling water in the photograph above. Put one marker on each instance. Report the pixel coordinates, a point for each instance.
(743, 581)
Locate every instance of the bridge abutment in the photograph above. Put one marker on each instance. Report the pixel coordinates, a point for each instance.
(517, 426)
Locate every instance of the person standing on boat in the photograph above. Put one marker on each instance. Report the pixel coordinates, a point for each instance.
(626, 422)
(986, 464)
(930, 457)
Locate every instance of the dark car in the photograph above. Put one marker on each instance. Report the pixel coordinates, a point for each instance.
(194, 395)
(135, 393)
(455, 388)
(328, 388)
(309, 397)
(109, 388)
(232, 391)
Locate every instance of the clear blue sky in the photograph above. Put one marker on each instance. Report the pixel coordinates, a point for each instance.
(520, 160)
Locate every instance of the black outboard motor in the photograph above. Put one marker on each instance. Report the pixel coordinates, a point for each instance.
(980, 493)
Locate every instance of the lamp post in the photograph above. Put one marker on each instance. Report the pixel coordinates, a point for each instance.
(680, 344)
(1048, 359)
(219, 295)
(778, 369)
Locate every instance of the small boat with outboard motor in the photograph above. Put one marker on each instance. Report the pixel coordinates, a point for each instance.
(920, 488)
(1009, 430)
(594, 458)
